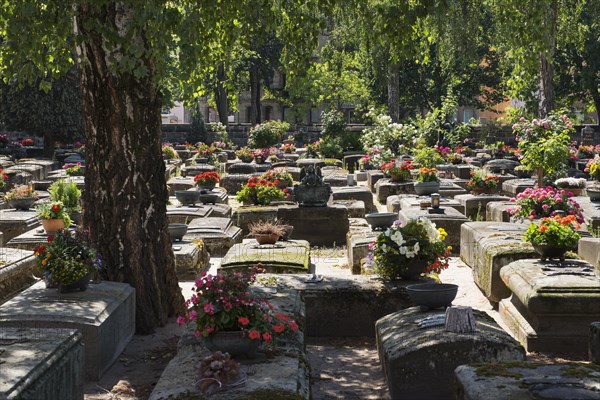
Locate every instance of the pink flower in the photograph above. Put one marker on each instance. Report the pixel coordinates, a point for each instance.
(181, 320)
(193, 315)
(254, 334)
(209, 309)
(545, 206)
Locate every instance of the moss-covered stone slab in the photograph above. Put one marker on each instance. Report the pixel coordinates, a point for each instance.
(527, 380)
(513, 187)
(282, 257)
(475, 205)
(552, 304)
(218, 234)
(358, 193)
(418, 360)
(191, 259)
(497, 211)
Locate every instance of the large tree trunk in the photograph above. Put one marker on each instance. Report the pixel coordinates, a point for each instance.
(596, 98)
(546, 104)
(394, 91)
(255, 117)
(125, 189)
(221, 96)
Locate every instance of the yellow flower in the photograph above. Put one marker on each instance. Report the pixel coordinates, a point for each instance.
(44, 262)
(443, 233)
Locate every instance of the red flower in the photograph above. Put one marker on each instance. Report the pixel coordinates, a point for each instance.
(267, 337)
(279, 328)
(244, 321)
(56, 208)
(50, 238)
(254, 334)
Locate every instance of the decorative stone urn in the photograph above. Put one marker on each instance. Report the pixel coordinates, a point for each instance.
(426, 188)
(312, 191)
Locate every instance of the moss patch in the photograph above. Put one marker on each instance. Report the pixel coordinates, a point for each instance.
(271, 395)
(503, 368)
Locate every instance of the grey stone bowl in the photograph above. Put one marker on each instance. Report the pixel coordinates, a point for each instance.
(432, 295)
(187, 197)
(381, 220)
(177, 231)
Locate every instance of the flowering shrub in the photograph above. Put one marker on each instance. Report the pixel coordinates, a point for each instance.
(593, 168)
(245, 154)
(428, 157)
(267, 134)
(73, 169)
(544, 143)
(169, 152)
(398, 170)
(27, 142)
(208, 152)
(288, 148)
(277, 176)
(262, 155)
(572, 183)
(419, 239)
(427, 175)
(481, 180)
(260, 191)
(538, 203)
(556, 232)
(208, 178)
(396, 138)
(443, 151)
(3, 178)
(223, 302)
(68, 257)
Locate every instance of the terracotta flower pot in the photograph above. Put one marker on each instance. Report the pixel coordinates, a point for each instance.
(53, 225)
(270, 238)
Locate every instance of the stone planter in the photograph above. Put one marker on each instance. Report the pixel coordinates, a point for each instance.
(549, 252)
(381, 220)
(426, 188)
(22, 204)
(575, 191)
(79, 285)
(432, 295)
(187, 197)
(234, 343)
(593, 193)
(53, 225)
(177, 231)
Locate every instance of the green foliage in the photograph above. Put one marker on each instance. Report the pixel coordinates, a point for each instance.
(335, 137)
(555, 232)
(390, 137)
(67, 192)
(267, 134)
(428, 157)
(54, 210)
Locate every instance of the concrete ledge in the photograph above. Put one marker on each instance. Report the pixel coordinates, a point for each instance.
(16, 272)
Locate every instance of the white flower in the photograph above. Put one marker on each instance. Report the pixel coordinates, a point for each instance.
(384, 248)
(397, 238)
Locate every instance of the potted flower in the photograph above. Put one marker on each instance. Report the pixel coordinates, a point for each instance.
(260, 192)
(279, 176)
(427, 181)
(266, 232)
(593, 168)
(245, 154)
(455, 158)
(288, 148)
(544, 202)
(481, 182)
(573, 186)
(407, 251)
(27, 142)
(207, 180)
(73, 169)
(230, 318)
(169, 152)
(67, 192)
(53, 216)
(21, 197)
(398, 170)
(552, 237)
(68, 260)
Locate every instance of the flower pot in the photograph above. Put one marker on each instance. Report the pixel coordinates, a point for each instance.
(232, 342)
(207, 186)
(79, 285)
(414, 269)
(426, 188)
(53, 225)
(381, 220)
(177, 231)
(593, 193)
(432, 295)
(208, 198)
(575, 191)
(187, 197)
(549, 252)
(269, 238)
(22, 204)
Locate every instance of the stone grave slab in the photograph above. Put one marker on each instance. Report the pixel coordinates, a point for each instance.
(451, 221)
(515, 186)
(262, 167)
(501, 164)
(320, 226)
(397, 203)
(29, 240)
(41, 364)
(183, 214)
(17, 269)
(359, 193)
(282, 257)
(220, 210)
(15, 222)
(357, 247)
(47, 165)
(360, 176)
(217, 233)
(356, 208)
(193, 170)
(418, 361)
(552, 304)
(385, 188)
(104, 314)
(487, 247)
(305, 162)
(475, 205)
(351, 161)
(335, 177)
(242, 168)
(60, 174)
(244, 216)
(589, 250)
(191, 259)
(372, 177)
(170, 171)
(233, 183)
(451, 188)
(591, 212)
(179, 183)
(36, 171)
(462, 171)
(497, 211)
(527, 380)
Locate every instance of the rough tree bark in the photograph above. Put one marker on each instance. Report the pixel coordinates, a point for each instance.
(221, 96)
(125, 189)
(546, 70)
(394, 91)
(255, 116)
